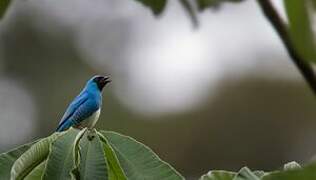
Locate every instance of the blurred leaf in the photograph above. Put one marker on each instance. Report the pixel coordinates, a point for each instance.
(157, 6)
(203, 4)
(137, 160)
(37, 172)
(300, 28)
(62, 157)
(92, 158)
(291, 166)
(115, 170)
(306, 173)
(7, 159)
(190, 10)
(4, 4)
(32, 157)
(246, 174)
(218, 175)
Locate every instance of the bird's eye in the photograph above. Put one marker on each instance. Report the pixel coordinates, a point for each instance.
(96, 79)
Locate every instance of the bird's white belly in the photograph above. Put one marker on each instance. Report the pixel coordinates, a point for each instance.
(92, 120)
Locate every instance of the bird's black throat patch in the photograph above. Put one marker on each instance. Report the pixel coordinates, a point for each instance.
(101, 81)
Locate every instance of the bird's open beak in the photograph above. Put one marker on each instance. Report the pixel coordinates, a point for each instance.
(106, 80)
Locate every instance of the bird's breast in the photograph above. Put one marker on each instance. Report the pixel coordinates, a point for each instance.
(92, 120)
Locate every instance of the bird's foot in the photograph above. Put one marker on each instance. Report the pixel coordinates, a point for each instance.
(79, 127)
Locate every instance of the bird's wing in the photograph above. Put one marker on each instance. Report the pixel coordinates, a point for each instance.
(84, 111)
(81, 112)
(73, 106)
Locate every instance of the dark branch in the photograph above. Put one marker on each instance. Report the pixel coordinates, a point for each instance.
(281, 28)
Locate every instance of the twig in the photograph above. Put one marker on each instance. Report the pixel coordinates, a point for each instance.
(281, 28)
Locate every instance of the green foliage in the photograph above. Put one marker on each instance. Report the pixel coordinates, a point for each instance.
(3, 7)
(84, 155)
(107, 155)
(61, 159)
(7, 159)
(115, 172)
(137, 160)
(93, 159)
(32, 157)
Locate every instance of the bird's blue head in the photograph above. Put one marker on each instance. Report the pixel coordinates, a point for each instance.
(98, 82)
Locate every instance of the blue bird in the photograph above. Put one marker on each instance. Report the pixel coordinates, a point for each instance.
(84, 110)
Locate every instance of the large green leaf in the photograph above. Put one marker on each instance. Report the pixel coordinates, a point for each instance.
(62, 157)
(3, 7)
(300, 28)
(138, 161)
(218, 175)
(92, 158)
(7, 159)
(157, 6)
(115, 170)
(32, 157)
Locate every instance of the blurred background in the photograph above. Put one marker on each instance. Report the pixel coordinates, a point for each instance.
(220, 96)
